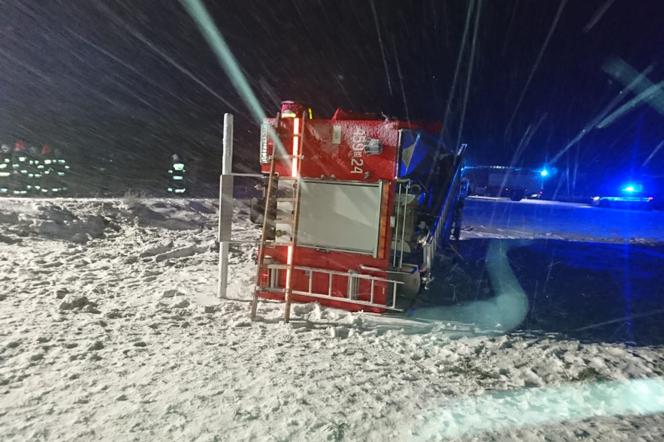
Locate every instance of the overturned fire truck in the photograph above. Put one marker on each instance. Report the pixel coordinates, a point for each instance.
(354, 208)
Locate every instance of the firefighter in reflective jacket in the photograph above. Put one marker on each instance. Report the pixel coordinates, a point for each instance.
(35, 167)
(60, 170)
(176, 173)
(47, 171)
(20, 169)
(5, 169)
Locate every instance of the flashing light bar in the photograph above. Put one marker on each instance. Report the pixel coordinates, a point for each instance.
(632, 188)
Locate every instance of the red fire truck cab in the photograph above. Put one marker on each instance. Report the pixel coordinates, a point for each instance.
(354, 207)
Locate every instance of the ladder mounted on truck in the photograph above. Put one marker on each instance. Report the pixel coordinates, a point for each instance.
(270, 223)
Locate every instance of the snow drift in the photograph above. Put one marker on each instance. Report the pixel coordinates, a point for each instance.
(110, 330)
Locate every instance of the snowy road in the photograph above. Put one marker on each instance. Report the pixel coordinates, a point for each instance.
(110, 330)
(499, 217)
(584, 270)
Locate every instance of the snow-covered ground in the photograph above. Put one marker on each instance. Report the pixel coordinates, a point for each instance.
(110, 330)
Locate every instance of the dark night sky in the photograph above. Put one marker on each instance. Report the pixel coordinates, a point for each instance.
(122, 84)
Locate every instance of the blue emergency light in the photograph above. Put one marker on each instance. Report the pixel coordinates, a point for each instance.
(632, 188)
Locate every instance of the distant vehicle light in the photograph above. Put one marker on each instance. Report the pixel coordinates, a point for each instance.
(544, 172)
(596, 198)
